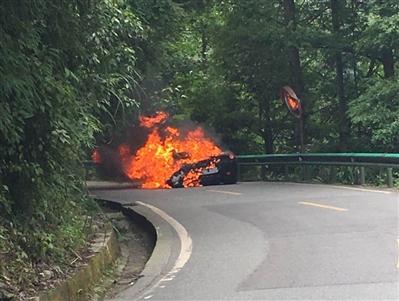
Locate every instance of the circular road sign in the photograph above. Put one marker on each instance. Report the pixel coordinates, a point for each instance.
(292, 101)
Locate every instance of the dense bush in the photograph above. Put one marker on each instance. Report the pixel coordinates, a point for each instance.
(67, 71)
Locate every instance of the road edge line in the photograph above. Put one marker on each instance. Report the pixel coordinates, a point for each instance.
(186, 245)
(158, 268)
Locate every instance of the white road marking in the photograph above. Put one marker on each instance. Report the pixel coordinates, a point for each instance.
(332, 186)
(148, 297)
(225, 192)
(361, 189)
(186, 244)
(397, 265)
(167, 279)
(323, 206)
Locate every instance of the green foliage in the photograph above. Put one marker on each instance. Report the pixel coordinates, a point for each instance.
(375, 113)
(68, 71)
(381, 28)
(220, 51)
(109, 74)
(161, 21)
(233, 58)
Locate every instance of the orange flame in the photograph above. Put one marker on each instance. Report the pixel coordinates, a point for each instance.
(149, 122)
(166, 150)
(193, 177)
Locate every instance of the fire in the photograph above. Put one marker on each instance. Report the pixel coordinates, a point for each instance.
(193, 177)
(166, 150)
(150, 122)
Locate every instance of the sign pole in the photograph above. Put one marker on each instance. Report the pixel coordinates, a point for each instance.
(301, 150)
(294, 105)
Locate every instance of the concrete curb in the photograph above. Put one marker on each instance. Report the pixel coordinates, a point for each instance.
(166, 244)
(100, 185)
(77, 287)
(164, 253)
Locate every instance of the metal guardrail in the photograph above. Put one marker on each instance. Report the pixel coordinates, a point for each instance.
(387, 161)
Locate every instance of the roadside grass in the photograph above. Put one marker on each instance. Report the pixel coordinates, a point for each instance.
(35, 255)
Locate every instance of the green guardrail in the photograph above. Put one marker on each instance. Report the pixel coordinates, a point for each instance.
(359, 161)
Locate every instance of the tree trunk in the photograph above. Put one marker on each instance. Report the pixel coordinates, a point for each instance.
(388, 62)
(387, 57)
(266, 126)
(204, 46)
(296, 79)
(294, 61)
(266, 130)
(340, 84)
(268, 139)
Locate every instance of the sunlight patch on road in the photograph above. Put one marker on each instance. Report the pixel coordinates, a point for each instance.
(323, 206)
(225, 192)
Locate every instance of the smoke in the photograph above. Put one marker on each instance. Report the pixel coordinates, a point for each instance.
(110, 167)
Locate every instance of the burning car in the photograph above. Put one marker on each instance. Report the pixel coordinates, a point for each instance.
(221, 169)
(161, 154)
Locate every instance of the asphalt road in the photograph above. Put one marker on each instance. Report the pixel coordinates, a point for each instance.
(280, 241)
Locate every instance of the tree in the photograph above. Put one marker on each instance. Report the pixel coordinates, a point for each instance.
(374, 111)
(67, 70)
(295, 69)
(336, 19)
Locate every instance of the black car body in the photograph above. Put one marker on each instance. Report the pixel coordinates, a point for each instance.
(221, 169)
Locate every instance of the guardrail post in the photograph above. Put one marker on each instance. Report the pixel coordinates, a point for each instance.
(306, 173)
(333, 174)
(362, 175)
(286, 172)
(389, 177)
(334, 161)
(263, 172)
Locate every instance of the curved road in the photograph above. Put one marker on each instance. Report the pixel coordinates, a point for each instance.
(279, 241)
